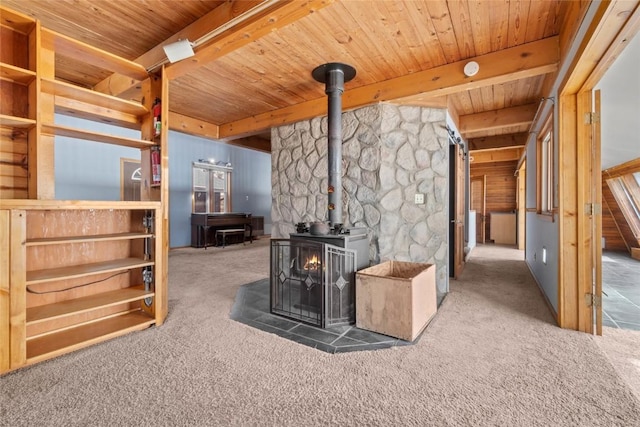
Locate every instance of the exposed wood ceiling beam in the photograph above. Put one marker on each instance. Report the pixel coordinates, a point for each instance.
(498, 141)
(278, 16)
(181, 123)
(191, 126)
(117, 83)
(253, 142)
(497, 119)
(498, 155)
(527, 60)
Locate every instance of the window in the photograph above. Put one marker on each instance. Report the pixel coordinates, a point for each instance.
(545, 169)
(211, 188)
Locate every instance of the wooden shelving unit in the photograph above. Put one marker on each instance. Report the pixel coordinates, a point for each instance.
(18, 81)
(73, 273)
(69, 303)
(56, 344)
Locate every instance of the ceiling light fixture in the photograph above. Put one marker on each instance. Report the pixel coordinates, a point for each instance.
(178, 51)
(471, 68)
(206, 38)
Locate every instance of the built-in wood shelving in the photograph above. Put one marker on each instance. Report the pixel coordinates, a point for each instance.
(59, 130)
(64, 341)
(89, 238)
(49, 310)
(67, 90)
(16, 74)
(75, 271)
(16, 122)
(84, 304)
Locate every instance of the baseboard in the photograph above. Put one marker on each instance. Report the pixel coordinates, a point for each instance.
(544, 296)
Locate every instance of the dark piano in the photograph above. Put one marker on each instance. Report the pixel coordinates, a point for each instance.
(205, 225)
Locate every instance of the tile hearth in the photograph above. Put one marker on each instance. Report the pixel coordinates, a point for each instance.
(252, 308)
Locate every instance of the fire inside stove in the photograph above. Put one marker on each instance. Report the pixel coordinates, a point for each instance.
(312, 263)
(313, 282)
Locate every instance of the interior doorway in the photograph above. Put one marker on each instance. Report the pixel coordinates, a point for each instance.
(457, 206)
(478, 204)
(617, 165)
(130, 179)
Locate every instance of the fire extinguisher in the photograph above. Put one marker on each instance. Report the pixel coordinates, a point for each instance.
(155, 165)
(157, 110)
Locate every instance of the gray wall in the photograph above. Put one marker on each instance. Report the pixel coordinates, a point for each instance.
(541, 233)
(85, 170)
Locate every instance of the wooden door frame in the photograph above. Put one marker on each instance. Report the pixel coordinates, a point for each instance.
(482, 215)
(459, 208)
(522, 204)
(611, 26)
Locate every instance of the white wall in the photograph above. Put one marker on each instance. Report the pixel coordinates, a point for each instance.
(620, 88)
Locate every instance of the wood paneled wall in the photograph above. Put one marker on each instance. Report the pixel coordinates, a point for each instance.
(502, 187)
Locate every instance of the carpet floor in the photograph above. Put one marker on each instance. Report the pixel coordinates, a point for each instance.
(492, 356)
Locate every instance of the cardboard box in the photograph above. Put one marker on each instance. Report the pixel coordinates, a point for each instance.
(396, 298)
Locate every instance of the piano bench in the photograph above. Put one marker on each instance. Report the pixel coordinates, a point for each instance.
(222, 234)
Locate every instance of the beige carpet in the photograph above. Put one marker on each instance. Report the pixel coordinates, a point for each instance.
(492, 356)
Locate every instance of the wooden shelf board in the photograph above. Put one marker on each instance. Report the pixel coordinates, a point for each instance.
(90, 238)
(84, 304)
(16, 122)
(56, 205)
(71, 272)
(17, 21)
(89, 96)
(62, 342)
(85, 53)
(69, 132)
(16, 74)
(74, 108)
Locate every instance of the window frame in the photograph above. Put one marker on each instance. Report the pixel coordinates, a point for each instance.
(545, 185)
(216, 199)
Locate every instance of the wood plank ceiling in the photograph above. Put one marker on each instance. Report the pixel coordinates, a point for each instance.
(252, 68)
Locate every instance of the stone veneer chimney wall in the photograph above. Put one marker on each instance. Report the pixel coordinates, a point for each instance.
(390, 153)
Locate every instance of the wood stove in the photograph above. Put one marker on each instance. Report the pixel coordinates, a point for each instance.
(313, 276)
(313, 282)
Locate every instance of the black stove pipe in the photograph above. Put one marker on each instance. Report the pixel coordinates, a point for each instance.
(334, 75)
